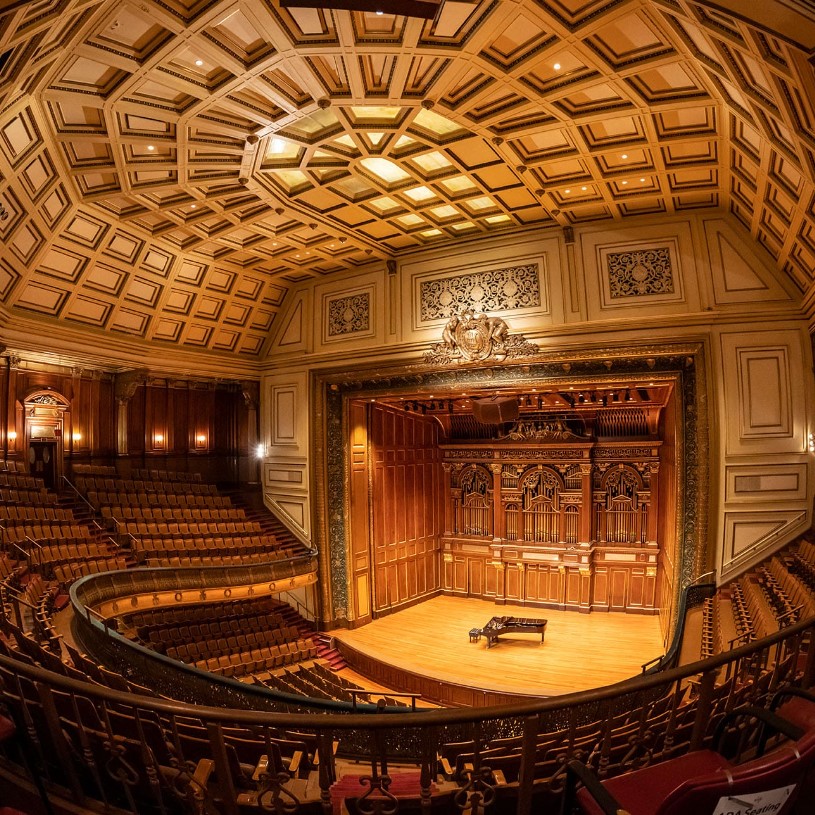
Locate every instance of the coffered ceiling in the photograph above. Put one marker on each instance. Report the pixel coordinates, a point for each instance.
(169, 168)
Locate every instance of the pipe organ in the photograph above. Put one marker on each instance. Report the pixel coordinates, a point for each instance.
(563, 525)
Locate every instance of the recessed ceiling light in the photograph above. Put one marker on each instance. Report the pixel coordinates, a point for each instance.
(584, 188)
(150, 147)
(192, 206)
(624, 156)
(642, 179)
(566, 192)
(199, 62)
(556, 66)
(624, 183)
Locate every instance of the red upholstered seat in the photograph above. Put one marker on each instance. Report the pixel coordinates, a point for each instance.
(696, 782)
(655, 783)
(7, 730)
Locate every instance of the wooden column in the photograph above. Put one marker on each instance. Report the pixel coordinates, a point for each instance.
(653, 506)
(250, 391)
(125, 385)
(448, 500)
(500, 581)
(13, 427)
(499, 518)
(587, 504)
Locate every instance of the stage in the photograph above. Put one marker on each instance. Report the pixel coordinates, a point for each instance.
(580, 652)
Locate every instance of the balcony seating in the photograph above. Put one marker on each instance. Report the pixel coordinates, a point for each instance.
(697, 781)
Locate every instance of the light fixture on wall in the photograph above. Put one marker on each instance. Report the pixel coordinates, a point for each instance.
(201, 438)
(158, 440)
(811, 442)
(76, 436)
(12, 436)
(260, 451)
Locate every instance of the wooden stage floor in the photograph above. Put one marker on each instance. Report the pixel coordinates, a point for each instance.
(581, 651)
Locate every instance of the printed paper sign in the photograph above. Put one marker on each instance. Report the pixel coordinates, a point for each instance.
(754, 803)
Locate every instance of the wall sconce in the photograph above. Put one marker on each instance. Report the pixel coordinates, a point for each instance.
(260, 452)
(811, 442)
(158, 440)
(201, 438)
(12, 436)
(76, 436)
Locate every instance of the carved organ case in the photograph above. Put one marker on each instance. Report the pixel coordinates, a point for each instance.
(562, 523)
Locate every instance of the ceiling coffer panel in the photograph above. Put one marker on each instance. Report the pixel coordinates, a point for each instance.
(202, 157)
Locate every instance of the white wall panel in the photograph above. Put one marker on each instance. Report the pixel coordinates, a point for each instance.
(285, 434)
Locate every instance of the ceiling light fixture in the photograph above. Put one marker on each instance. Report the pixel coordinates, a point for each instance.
(199, 62)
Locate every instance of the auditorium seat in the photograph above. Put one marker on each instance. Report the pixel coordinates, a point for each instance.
(697, 781)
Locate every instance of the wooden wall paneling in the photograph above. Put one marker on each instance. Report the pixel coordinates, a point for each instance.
(601, 589)
(460, 574)
(475, 574)
(405, 507)
(618, 588)
(359, 527)
(137, 421)
(636, 588)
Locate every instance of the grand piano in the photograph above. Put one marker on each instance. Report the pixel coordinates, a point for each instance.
(511, 625)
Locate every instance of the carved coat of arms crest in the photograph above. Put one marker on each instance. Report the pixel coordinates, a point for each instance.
(471, 337)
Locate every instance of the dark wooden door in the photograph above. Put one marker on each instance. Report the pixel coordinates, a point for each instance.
(42, 461)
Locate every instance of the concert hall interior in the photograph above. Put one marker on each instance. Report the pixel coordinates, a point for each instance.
(407, 406)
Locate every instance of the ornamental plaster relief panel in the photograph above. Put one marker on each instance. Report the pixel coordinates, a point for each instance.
(351, 313)
(651, 270)
(520, 282)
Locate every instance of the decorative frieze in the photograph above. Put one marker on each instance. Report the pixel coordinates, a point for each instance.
(514, 287)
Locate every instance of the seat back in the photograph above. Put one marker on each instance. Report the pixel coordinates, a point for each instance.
(784, 767)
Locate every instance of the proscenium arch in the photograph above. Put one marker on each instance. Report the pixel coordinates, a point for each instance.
(332, 391)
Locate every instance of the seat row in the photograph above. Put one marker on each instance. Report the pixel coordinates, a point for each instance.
(46, 530)
(26, 512)
(20, 480)
(236, 643)
(198, 543)
(164, 475)
(211, 559)
(187, 528)
(199, 632)
(22, 495)
(71, 550)
(101, 498)
(66, 573)
(128, 512)
(134, 486)
(220, 611)
(259, 660)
